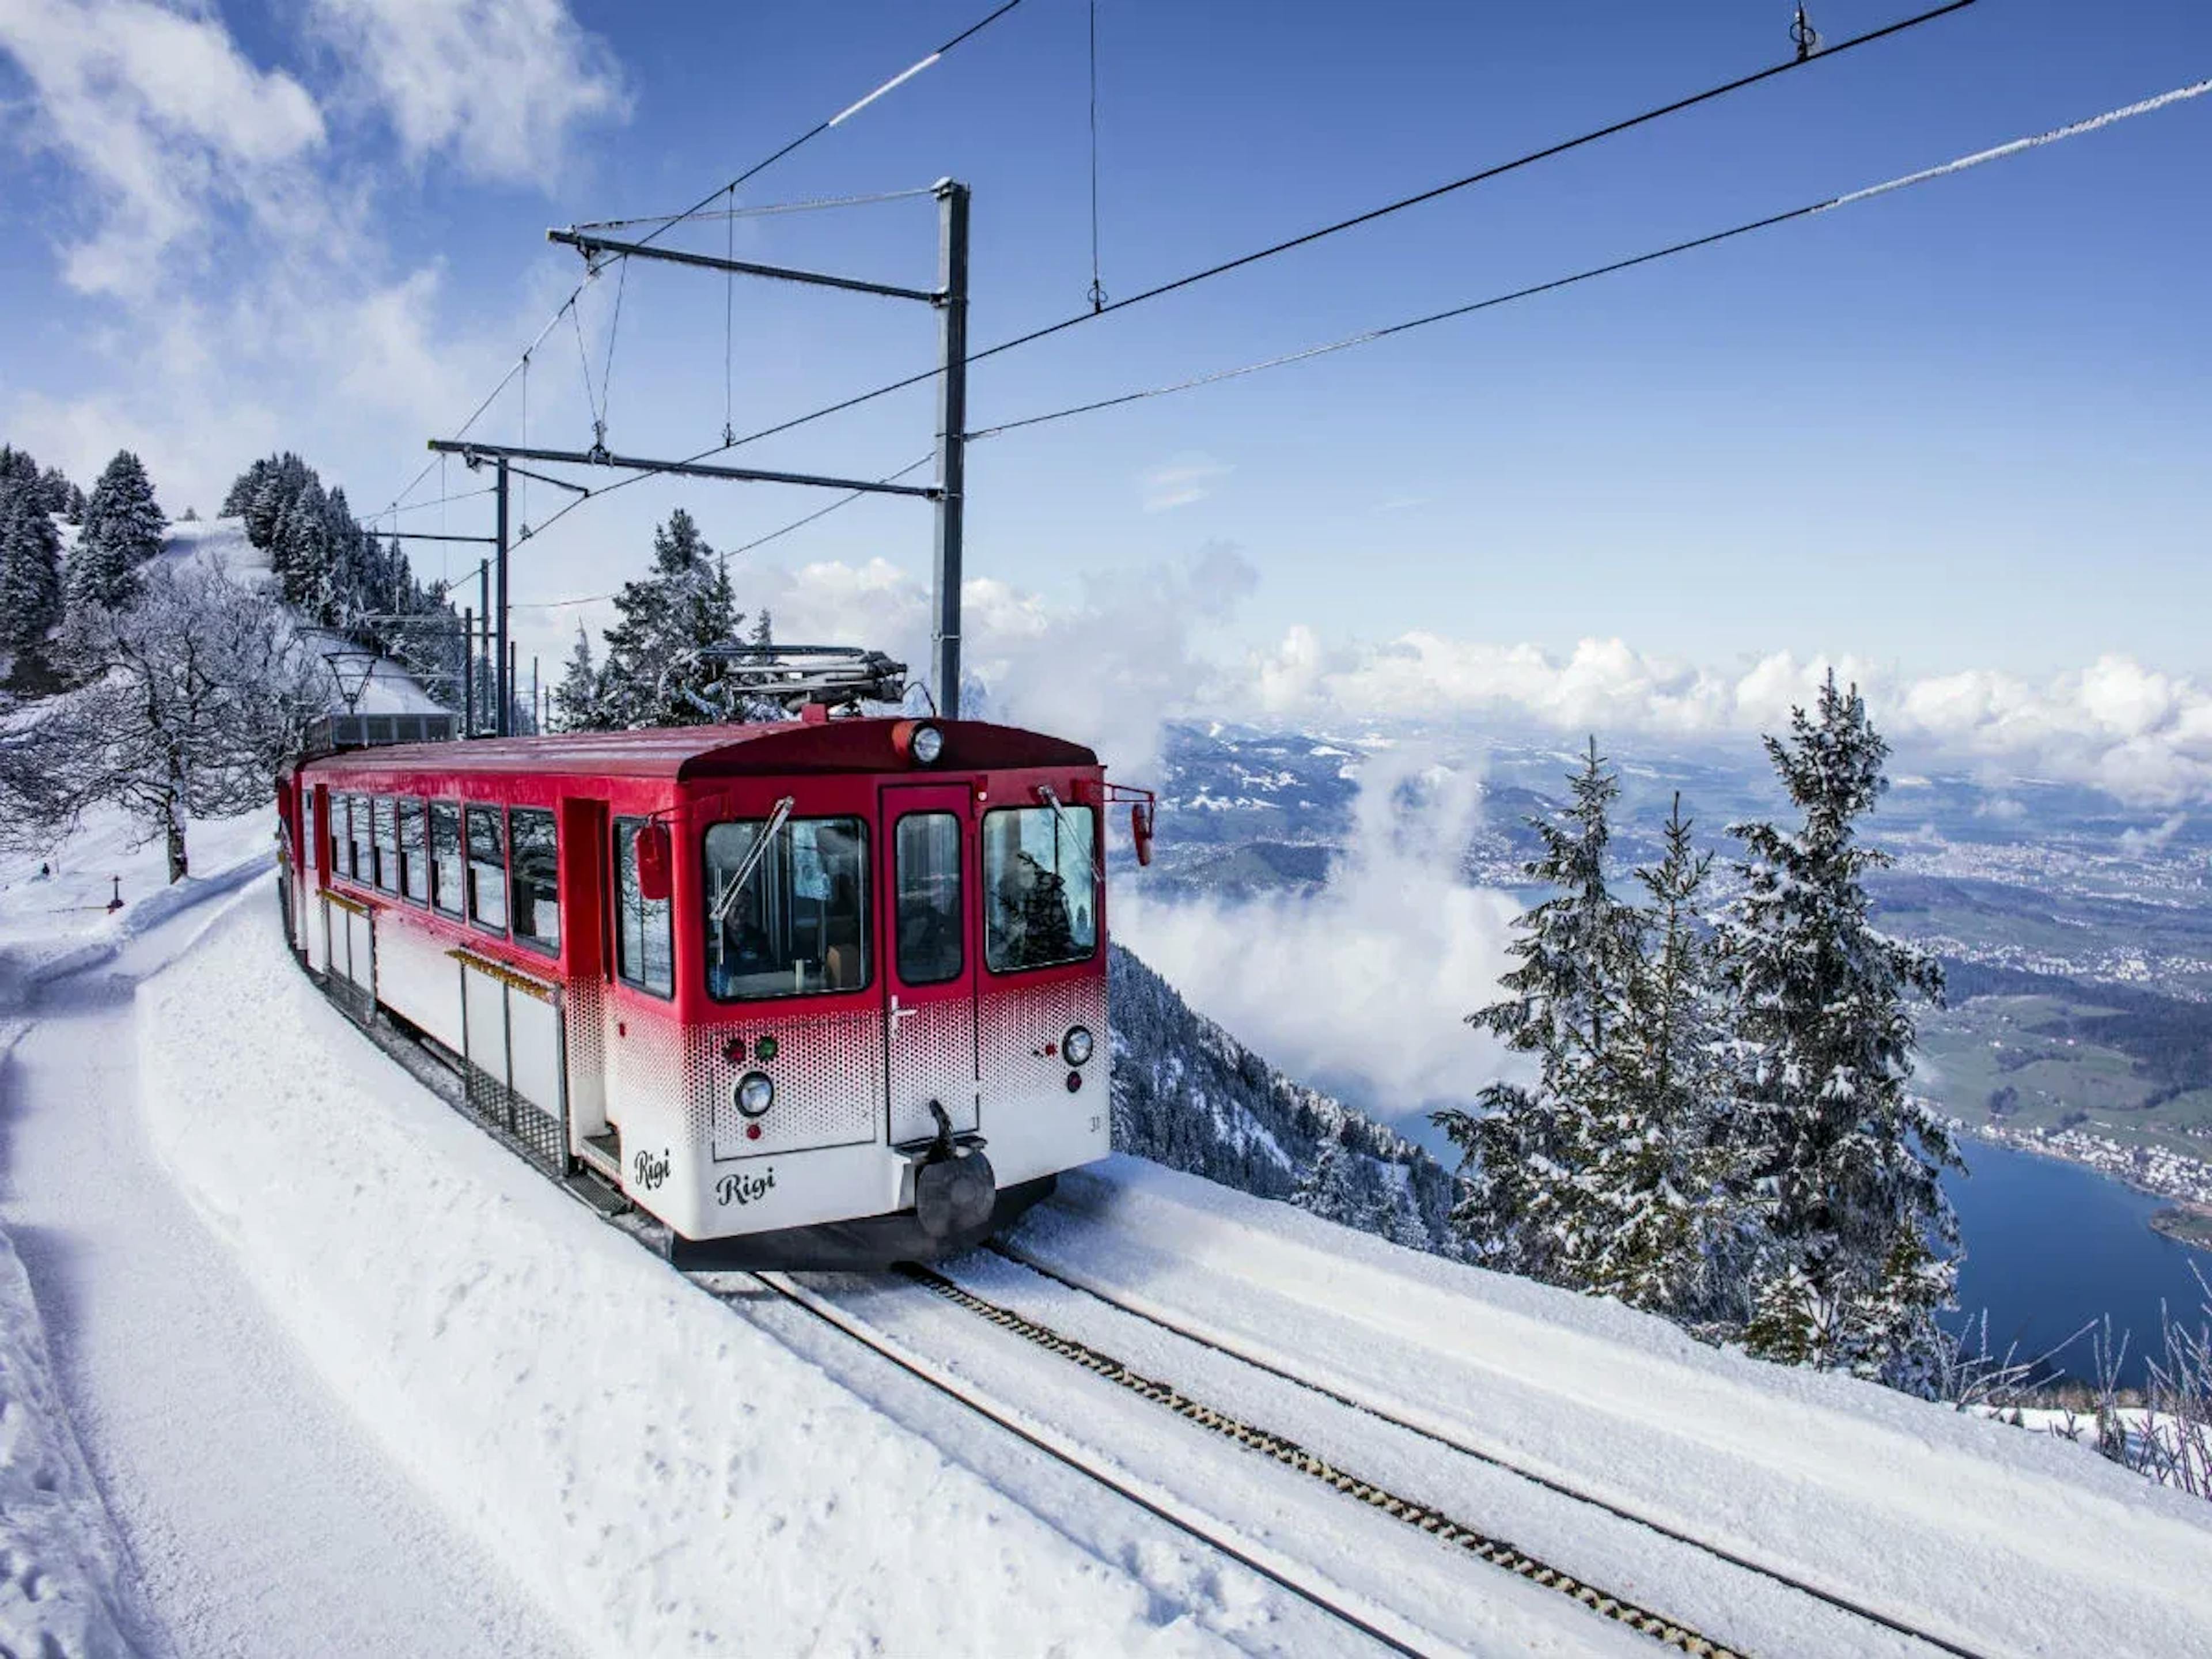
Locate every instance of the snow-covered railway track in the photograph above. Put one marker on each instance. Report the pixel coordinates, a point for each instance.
(1228, 1344)
(1353, 1608)
(1357, 1613)
(1422, 1518)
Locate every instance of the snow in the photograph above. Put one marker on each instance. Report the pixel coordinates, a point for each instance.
(657, 1473)
(222, 543)
(251, 1507)
(1988, 1537)
(59, 922)
(62, 1568)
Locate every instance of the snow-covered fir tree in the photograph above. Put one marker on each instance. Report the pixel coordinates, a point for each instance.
(1353, 1191)
(1526, 1147)
(123, 529)
(30, 579)
(576, 698)
(1857, 1235)
(656, 672)
(1659, 1208)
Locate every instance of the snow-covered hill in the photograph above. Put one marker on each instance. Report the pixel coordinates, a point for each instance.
(1189, 1094)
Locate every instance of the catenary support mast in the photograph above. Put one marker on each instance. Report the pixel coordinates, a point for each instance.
(951, 437)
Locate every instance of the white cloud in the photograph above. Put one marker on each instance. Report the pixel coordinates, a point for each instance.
(2144, 735)
(1180, 481)
(1370, 979)
(2159, 835)
(256, 304)
(166, 121)
(499, 84)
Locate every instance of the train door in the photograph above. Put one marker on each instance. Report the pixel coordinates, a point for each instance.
(926, 860)
(588, 850)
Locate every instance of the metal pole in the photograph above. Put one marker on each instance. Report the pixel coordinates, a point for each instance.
(537, 719)
(480, 643)
(952, 435)
(506, 659)
(468, 674)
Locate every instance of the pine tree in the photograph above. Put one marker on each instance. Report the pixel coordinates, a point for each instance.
(1525, 1151)
(763, 634)
(576, 699)
(1656, 1188)
(123, 530)
(30, 577)
(658, 672)
(1855, 1255)
(56, 491)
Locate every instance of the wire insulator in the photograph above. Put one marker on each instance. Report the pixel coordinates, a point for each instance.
(1804, 35)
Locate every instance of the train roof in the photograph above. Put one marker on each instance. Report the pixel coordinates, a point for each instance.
(862, 743)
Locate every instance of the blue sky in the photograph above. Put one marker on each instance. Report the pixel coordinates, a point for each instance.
(1964, 427)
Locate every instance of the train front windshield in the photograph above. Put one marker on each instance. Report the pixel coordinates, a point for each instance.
(791, 921)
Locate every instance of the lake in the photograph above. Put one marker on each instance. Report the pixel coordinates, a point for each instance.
(2050, 1247)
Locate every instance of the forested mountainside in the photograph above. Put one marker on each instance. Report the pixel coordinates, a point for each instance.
(1189, 1094)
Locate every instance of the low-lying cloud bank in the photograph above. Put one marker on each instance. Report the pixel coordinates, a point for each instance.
(1369, 981)
(1139, 649)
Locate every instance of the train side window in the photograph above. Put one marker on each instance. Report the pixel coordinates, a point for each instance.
(926, 850)
(335, 810)
(644, 939)
(536, 879)
(448, 871)
(1038, 887)
(797, 924)
(414, 866)
(361, 857)
(386, 830)
(487, 869)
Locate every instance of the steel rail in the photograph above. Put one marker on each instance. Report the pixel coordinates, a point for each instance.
(1229, 1347)
(1378, 1623)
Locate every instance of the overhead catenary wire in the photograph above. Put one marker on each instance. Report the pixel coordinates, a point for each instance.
(763, 209)
(670, 220)
(1098, 289)
(1826, 205)
(777, 534)
(1194, 277)
(1226, 266)
(838, 120)
(1848, 198)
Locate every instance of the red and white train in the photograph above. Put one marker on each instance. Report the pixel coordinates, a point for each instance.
(777, 984)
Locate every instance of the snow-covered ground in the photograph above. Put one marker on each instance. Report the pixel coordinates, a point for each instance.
(221, 544)
(1997, 1540)
(337, 1363)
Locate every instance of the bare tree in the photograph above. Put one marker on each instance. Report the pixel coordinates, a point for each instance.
(195, 693)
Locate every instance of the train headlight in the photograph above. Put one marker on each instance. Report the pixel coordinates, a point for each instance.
(1076, 1045)
(928, 743)
(755, 1093)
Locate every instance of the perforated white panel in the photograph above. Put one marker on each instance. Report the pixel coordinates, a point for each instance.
(932, 1057)
(828, 1071)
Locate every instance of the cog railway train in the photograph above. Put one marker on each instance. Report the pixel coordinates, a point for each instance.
(778, 986)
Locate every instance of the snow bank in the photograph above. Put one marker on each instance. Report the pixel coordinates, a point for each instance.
(2002, 1541)
(663, 1475)
(59, 922)
(60, 1560)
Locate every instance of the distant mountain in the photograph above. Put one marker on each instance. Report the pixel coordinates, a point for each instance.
(1189, 1094)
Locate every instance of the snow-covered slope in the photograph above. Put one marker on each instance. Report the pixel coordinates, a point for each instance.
(222, 543)
(1189, 1094)
(662, 1476)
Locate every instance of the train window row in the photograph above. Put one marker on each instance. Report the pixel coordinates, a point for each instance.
(416, 850)
(789, 919)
